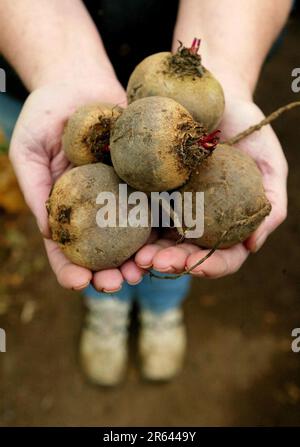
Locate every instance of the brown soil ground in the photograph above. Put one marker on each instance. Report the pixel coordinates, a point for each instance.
(240, 369)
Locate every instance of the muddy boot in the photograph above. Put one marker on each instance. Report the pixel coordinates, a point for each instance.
(162, 344)
(103, 344)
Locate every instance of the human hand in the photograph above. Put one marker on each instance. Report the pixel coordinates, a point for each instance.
(263, 146)
(38, 160)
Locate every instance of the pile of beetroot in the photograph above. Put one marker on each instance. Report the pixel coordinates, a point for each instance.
(166, 139)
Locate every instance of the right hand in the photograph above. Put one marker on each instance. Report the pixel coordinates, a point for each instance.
(38, 160)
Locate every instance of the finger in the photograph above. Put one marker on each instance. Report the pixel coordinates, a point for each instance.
(222, 262)
(273, 166)
(144, 257)
(132, 273)
(35, 182)
(277, 194)
(68, 275)
(109, 280)
(173, 259)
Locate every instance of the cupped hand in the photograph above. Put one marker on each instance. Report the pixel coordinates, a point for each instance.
(38, 160)
(165, 255)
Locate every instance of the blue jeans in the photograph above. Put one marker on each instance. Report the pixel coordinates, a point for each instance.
(156, 295)
(9, 112)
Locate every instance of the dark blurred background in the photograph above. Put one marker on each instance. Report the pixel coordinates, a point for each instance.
(240, 369)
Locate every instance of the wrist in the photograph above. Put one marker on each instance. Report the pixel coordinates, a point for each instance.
(93, 84)
(235, 81)
(76, 90)
(70, 73)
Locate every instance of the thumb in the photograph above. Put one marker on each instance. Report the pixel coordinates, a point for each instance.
(35, 180)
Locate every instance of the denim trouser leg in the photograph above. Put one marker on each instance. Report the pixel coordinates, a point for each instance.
(156, 295)
(9, 111)
(125, 294)
(161, 295)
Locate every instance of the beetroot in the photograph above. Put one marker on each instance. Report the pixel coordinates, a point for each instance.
(86, 135)
(155, 144)
(234, 199)
(72, 210)
(180, 76)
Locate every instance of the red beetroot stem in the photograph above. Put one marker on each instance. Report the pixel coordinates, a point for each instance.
(106, 148)
(210, 141)
(195, 46)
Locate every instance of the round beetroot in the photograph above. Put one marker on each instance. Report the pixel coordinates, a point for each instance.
(180, 76)
(155, 144)
(86, 135)
(72, 211)
(234, 197)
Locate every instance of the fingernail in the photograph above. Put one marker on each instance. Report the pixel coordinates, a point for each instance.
(260, 241)
(165, 269)
(41, 230)
(82, 286)
(198, 273)
(44, 231)
(112, 291)
(135, 283)
(145, 266)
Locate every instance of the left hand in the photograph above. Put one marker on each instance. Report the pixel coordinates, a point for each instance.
(263, 146)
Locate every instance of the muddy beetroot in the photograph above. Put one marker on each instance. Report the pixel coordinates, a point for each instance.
(72, 210)
(180, 76)
(155, 144)
(234, 199)
(86, 135)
